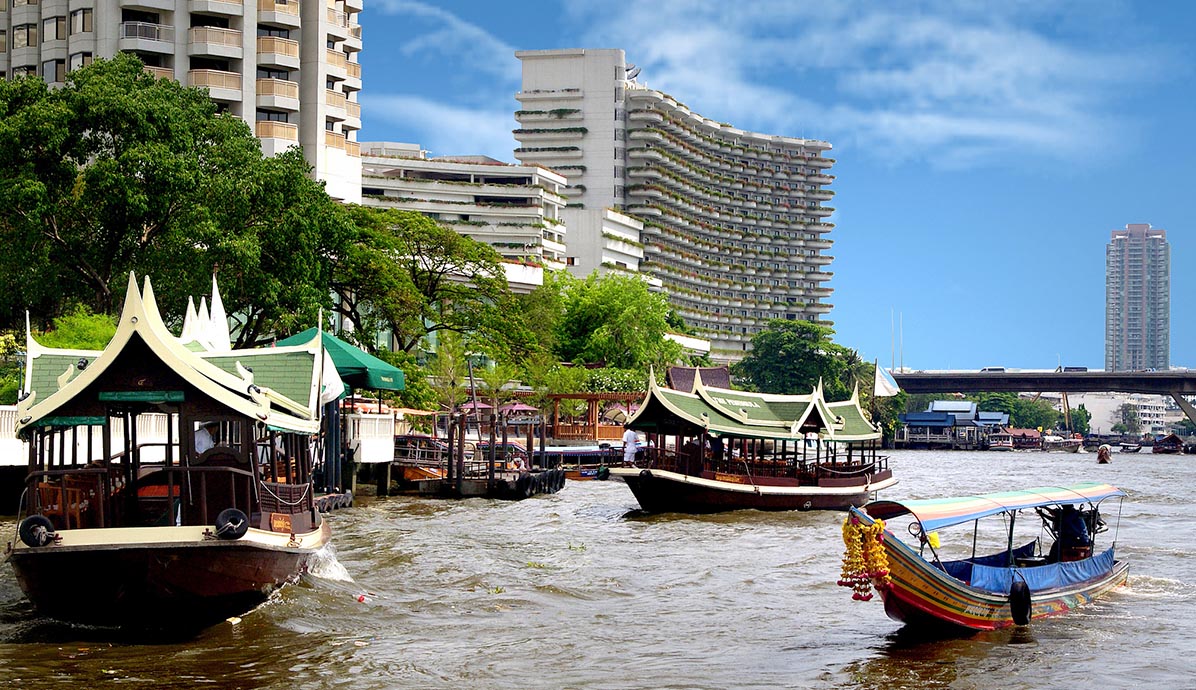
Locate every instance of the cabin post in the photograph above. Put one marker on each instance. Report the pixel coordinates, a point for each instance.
(449, 464)
(492, 450)
(1012, 519)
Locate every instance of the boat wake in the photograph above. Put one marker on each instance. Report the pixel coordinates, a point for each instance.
(325, 565)
(1147, 587)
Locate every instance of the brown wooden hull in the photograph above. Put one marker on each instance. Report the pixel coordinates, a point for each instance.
(669, 492)
(169, 585)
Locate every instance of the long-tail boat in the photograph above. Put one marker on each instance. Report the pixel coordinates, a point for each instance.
(115, 531)
(923, 587)
(716, 449)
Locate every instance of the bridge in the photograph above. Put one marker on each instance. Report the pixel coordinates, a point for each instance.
(1174, 383)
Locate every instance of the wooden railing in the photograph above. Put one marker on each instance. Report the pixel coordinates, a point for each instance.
(269, 129)
(215, 79)
(277, 45)
(217, 35)
(280, 6)
(277, 87)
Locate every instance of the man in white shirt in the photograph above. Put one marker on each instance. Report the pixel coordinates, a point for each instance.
(203, 437)
(630, 446)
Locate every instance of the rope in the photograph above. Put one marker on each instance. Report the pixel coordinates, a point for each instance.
(306, 488)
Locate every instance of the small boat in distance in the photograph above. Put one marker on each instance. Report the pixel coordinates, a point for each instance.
(120, 532)
(923, 586)
(714, 449)
(1130, 447)
(1002, 440)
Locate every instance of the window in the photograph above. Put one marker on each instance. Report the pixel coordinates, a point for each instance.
(24, 36)
(79, 60)
(54, 29)
(271, 115)
(54, 71)
(81, 22)
(266, 73)
(19, 3)
(272, 31)
(3, 42)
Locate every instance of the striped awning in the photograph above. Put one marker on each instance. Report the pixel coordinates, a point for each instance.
(943, 512)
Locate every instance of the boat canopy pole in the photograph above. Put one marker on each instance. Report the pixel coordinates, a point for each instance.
(975, 531)
(1012, 520)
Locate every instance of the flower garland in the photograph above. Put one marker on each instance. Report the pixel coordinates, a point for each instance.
(865, 563)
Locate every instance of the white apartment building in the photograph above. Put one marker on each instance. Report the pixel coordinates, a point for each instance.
(734, 225)
(288, 69)
(1138, 299)
(514, 208)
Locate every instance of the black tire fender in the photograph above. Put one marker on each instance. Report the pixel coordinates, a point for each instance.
(1019, 602)
(231, 524)
(36, 530)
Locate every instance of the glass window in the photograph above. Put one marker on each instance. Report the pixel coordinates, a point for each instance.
(3, 41)
(54, 71)
(81, 22)
(24, 36)
(80, 60)
(19, 3)
(54, 29)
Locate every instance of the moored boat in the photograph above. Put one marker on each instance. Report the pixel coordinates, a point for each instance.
(1170, 444)
(922, 586)
(715, 449)
(1000, 441)
(174, 534)
(1130, 447)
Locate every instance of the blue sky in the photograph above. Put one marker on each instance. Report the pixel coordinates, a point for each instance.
(985, 149)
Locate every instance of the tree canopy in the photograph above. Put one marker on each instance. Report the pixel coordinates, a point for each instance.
(791, 357)
(614, 319)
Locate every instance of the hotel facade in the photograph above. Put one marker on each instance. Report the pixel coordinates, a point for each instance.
(734, 223)
(288, 69)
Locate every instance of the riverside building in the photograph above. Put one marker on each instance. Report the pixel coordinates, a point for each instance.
(514, 208)
(286, 68)
(734, 223)
(1138, 299)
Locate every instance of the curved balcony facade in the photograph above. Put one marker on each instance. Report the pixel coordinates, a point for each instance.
(733, 220)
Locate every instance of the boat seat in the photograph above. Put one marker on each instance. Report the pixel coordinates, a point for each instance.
(64, 505)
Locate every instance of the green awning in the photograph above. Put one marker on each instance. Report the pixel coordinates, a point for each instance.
(357, 368)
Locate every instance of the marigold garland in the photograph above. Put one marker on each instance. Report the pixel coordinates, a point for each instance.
(865, 564)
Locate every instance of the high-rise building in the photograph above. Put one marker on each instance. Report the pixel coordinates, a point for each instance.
(288, 69)
(1138, 299)
(733, 222)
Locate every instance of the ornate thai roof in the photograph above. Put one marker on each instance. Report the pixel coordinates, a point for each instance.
(277, 386)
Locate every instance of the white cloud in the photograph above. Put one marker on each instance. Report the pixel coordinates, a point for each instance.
(450, 36)
(445, 129)
(957, 85)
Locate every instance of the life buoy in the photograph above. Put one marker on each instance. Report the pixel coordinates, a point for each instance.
(36, 530)
(231, 524)
(1019, 602)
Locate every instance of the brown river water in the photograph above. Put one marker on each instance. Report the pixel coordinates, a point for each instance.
(579, 590)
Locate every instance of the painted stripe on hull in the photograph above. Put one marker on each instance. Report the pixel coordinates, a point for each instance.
(920, 594)
(659, 491)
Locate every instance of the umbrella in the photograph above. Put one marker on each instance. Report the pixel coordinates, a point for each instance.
(356, 367)
(471, 405)
(518, 407)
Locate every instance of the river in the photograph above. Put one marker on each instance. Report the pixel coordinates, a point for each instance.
(578, 590)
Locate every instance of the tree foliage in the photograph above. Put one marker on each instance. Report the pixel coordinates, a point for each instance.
(791, 357)
(614, 319)
(118, 171)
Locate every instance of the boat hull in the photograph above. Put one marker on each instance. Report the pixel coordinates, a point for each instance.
(660, 491)
(159, 577)
(920, 595)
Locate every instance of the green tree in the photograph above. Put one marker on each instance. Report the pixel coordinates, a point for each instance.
(1129, 422)
(405, 272)
(1033, 414)
(997, 402)
(617, 320)
(791, 357)
(1080, 420)
(118, 171)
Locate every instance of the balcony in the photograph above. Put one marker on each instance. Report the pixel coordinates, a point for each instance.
(273, 51)
(333, 140)
(221, 85)
(339, 22)
(215, 42)
(279, 13)
(268, 129)
(278, 94)
(335, 101)
(353, 148)
(160, 72)
(143, 36)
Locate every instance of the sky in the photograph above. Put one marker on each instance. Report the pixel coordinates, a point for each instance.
(985, 150)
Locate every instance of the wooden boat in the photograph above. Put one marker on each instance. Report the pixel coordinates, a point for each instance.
(1066, 445)
(178, 534)
(1000, 441)
(1170, 444)
(1012, 586)
(716, 449)
(1130, 447)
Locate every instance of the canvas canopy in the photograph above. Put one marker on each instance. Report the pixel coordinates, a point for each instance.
(943, 512)
(357, 368)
